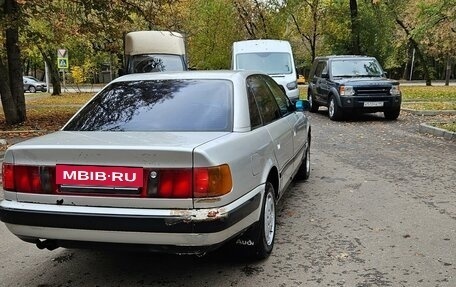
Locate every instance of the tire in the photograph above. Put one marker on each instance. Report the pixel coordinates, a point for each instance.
(334, 112)
(258, 241)
(313, 105)
(265, 230)
(392, 114)
(32, 89)
(304, 169)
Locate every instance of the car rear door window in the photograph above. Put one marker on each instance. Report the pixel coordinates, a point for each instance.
(158, 105)
(269, 110)
(282, 100)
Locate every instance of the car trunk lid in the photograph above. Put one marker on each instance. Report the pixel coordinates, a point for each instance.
(102, 158)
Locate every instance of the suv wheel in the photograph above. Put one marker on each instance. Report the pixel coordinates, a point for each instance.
(334, 112)
(392, 114)
(313, 105)
(32, 89)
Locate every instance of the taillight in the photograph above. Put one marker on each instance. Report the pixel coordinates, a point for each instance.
(8, 176)
(29, 179)
(175, 183)
(188, 183)
(212, 181)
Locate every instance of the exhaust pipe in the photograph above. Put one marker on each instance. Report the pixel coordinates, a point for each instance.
(48, 244)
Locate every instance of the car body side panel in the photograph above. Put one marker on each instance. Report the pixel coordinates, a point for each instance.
(245, 153)
(282, 137)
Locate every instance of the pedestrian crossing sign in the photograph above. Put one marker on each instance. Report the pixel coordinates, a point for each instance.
(62, 63)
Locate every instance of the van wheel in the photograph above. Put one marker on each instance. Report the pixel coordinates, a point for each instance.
(334, 112)
(313, 105)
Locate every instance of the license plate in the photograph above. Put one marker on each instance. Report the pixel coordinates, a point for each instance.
(373, 104)
(88, 175)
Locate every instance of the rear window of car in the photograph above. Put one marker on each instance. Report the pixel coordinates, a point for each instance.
(158, 105)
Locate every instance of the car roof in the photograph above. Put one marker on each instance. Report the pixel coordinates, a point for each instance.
(190, 75)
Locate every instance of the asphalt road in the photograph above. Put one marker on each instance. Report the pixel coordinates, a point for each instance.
(378, 210)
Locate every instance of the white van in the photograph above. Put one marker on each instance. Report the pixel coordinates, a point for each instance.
(154, 51)
(273, 57)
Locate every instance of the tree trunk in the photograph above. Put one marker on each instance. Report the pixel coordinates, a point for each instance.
(355, 45)
(11, 83)
(8, 103)
(421, 58)
(50, 57)
(448, 71)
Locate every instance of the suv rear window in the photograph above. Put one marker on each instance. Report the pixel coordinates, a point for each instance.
(355, 68)
(159, 105)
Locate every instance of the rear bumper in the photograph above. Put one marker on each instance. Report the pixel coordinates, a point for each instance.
(185, 228)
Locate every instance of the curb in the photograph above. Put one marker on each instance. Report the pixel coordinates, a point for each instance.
(429, 112)
(438, 132)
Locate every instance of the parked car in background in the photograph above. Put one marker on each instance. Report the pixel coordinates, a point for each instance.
(33, 85)
(350, 84)
(273, 57)
(178, 162)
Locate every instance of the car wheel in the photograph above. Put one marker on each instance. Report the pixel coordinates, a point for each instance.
(392, 114)
(32, 89)
(304, 170)
(334, 112)
(313, 105)
(267, 224)
(258, 241)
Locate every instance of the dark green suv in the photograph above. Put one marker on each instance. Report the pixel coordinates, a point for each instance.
(350, 84)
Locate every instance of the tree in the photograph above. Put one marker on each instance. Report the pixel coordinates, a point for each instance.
(355, 45)
(437, 31)
(11, 83)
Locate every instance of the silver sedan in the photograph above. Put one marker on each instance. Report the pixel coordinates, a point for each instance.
(176, 162)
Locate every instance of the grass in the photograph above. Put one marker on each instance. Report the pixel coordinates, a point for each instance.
(430, 105)
(446, 126)
(46, 112)
(429, 93)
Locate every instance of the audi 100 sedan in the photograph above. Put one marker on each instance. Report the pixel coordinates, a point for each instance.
(174, 162)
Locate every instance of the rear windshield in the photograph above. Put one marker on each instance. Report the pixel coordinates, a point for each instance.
(269, 63)
(356, 68)
(155, 63)
(160, 105)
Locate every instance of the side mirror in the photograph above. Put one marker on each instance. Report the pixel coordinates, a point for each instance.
(302, 105)
(325, 75)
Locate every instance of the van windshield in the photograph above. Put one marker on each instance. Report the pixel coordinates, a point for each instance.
(155, 63)
(269, 63)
